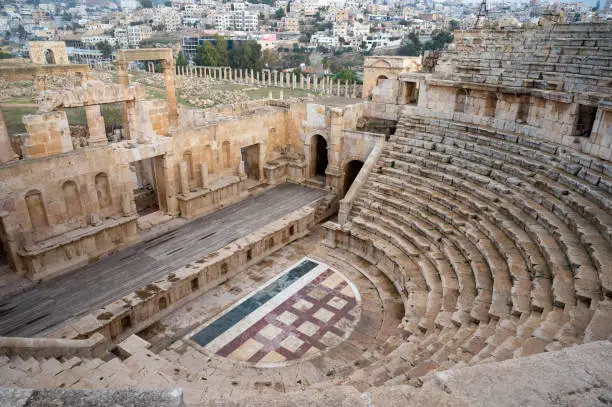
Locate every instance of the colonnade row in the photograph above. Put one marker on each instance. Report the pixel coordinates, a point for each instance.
(267, 77)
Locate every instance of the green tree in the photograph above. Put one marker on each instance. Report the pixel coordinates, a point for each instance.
(247, 55)
(269, 58)
(105, 48)
(280, 13)
(146, 3)
(597, 5)
(168, 4)
(325, 62)
(289, 7)
(438, 41)
(453, 25)
(221, 47)
(206, 55)
(180, 59)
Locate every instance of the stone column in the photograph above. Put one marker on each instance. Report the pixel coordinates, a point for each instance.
(315, 84)
(204, 174)
(338, 88)
(346, 89)
(131, 124)
(308, 82)
(122, 76)
(95, 123)
(168, 68)
(241, 171)
(292, 80)
(275, 78)
(126, 204)
(252, 77)
(259, 78)
(281, 96)
(184, 177)
(355, 89)
(270, 94)
(6, 149)
(301, 81)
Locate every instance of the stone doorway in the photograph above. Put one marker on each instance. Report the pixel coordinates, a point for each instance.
(250, 157)
(145, 191)
(319, 157)
(351, 170)
(585, 120)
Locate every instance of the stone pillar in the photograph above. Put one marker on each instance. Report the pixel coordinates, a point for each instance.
(292, 80)
(241, 171)
(126, 204)
(204, 174)
(275, 78)
(301, 81)
(184, 177)
(270, 94)
(252, 77)
(95, 123)
(315, 84)
(346, 90)
(308, 82)
(6, 149)
(281, 96)
(131, 124)
(259, 78)
(122, 76)
(338, 88)
(355, 89)
(168, 68)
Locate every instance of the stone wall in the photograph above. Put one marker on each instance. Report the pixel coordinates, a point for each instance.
(541, 114)
(386, 68)
(53, 203)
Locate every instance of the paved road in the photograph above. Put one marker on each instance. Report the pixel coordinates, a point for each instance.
(51, 303)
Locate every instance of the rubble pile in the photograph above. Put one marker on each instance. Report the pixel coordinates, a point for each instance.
(17, 89)
(201, 92)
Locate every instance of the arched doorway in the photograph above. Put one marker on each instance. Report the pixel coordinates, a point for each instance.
(351, 170)
(50, 57)
(380, 79)
(319, 156)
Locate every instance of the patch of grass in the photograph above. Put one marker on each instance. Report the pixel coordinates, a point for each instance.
(13, 115)
(263, 93)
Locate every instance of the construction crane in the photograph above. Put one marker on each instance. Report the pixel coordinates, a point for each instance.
(482, 12)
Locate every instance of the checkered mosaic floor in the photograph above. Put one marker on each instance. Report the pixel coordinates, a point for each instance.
(306, 309)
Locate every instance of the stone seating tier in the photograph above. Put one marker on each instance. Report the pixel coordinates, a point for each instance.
(569, 60)
(512, 232)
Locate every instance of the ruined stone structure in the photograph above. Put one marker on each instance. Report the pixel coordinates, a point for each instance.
(48, 52)
(469, 264)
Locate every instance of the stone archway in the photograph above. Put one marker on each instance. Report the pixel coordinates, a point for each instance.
(50, 57)
(380, 78)
(351, 170)
(319, 160)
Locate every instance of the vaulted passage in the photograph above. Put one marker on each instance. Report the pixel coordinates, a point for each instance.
(350, 173)
(319, 148)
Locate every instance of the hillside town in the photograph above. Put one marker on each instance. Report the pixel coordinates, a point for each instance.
(289, 34)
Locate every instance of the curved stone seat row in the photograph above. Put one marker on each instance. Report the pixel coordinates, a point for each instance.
(510, 235)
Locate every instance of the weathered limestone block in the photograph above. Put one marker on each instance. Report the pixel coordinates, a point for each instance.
(48, 134)
(6, 150)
